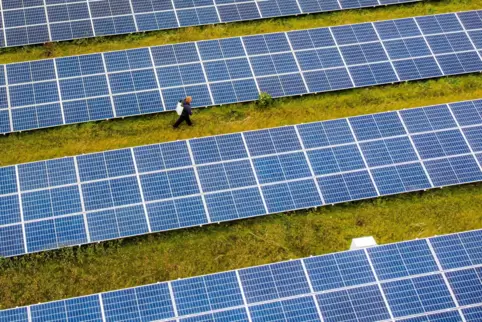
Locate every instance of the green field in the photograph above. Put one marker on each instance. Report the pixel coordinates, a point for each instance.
(190, 252)
(80, 271)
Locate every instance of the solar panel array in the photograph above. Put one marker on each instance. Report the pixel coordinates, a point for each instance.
(95, 197)
(435, 279)
(39, 21)
(116, 84)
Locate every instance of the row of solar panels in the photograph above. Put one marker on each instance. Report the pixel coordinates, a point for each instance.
(116, 84)
(39, 21)
(435, 279)
(94, 197)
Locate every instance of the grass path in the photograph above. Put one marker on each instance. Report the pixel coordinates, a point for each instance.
(99, 136)
(107, 266)
(113, 134)
(92, 45)
(73, 272)
(190, 252)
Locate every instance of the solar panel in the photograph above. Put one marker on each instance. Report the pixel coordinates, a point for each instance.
(108, 85)
(40, 21)
(434, 279)
(119, 193)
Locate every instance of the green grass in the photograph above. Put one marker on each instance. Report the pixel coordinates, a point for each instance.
(80, 271)
(105, 135)
(190, 252)
(72, 272)
(92, 45)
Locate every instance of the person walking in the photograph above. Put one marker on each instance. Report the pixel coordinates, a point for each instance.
(186, 111)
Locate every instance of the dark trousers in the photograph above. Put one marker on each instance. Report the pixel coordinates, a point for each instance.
(181, 119)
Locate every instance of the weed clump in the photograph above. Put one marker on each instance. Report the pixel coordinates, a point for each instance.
(264, 100)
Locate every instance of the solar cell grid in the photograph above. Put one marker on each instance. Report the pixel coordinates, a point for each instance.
(402, 259)
(113, 194)
(148, 80)
(418, 295)
(393, 282)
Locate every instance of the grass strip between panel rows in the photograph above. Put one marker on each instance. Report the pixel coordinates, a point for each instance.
(123, 263)
(158, 257)
(136, 40)
(132, 131)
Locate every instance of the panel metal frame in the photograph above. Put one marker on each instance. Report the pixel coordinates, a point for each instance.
(168, 105)
(365, 254)
(135, 15)
(311, 178)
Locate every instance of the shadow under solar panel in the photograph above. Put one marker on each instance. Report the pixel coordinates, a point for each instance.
(433, 279)
(120, 193)
(76, 89)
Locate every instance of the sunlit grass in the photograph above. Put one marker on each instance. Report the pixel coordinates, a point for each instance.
(92, 45)
(66, 273)
(190, 252)
(72, 272)
(113, 134)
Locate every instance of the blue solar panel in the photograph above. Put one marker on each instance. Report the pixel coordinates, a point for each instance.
(108, 85)
(418, 295)
(17, 315)
(34, 22)
(362, 304)
(339, 270)
(456, 251)
(395, 282)
(299, 309)
(466, 285)
(403, 259)
(207, 293)
(113, 194)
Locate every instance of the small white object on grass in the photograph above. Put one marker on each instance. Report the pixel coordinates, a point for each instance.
(362, 242)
